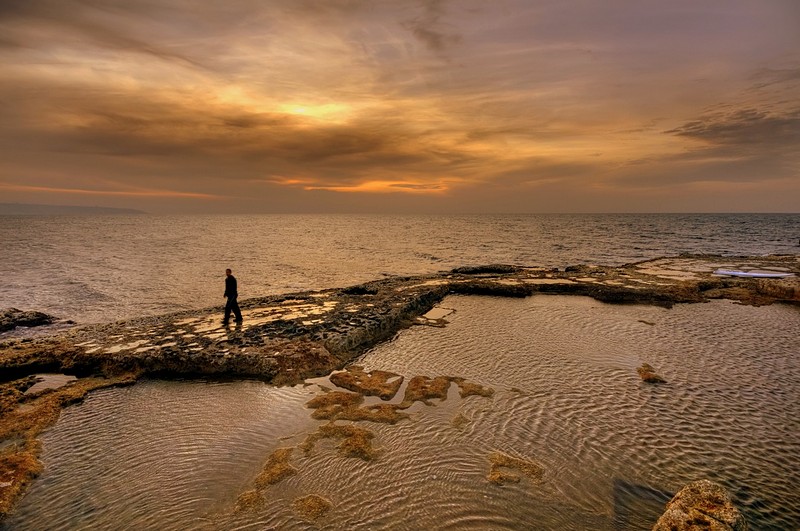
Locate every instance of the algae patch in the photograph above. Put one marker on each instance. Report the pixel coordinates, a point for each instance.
(338, 405)
(648, 374)
(311, 507)
(332, 399)
(472, 389)
(509, 469)
(379, 383)
(250, 500)
(23, 417)
(276, 469)
(459, 421)
(356, 441)
(353, 441)
(422, 389)
(18, 467)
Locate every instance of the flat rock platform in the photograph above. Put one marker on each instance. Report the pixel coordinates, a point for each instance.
(286, 338)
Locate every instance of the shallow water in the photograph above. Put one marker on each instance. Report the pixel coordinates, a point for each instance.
(175, 455)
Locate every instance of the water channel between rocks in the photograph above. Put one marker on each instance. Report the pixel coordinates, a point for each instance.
(177, 455)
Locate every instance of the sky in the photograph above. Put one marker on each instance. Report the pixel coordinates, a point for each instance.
(402, 106)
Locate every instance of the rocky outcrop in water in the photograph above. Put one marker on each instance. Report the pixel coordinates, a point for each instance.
(701, 505)
(648, 374)
(285, 339)
(11, 318)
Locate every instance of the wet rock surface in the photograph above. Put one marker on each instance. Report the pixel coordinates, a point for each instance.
(648, 374)
(11, 318)
(701, 505)
(509, 469)
(375, 383)
(286, 339)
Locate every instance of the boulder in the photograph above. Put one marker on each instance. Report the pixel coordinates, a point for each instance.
(10, 318)
(701, 505)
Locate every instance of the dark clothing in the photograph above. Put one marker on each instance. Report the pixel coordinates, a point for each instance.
(230, 287)
(232, 305)
(232, 294)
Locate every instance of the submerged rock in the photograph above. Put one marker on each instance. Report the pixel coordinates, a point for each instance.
(466, 388)
(648, 374)
(10, 318)
(701, 505)
(339, 405)
(383, 384)
(509, 469)
(422, 389)
(20, 428)
(276, 469)
(356, 442)
(250, 500)
(287, 338)
(312, 506)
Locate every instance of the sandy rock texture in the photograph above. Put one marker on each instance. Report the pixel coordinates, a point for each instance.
(701, 505)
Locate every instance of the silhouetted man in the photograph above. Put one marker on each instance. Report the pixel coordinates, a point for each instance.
(231, 293)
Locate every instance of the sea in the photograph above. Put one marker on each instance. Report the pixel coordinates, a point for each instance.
(100, 268)
(609, 449)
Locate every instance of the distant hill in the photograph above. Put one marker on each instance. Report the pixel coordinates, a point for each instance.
(22, 209)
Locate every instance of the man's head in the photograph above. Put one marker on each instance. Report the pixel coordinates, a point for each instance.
(227, 272)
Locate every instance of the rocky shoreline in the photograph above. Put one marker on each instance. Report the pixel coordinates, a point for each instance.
(11, 318)
(286, 339)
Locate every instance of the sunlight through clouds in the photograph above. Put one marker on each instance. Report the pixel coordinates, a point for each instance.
(525, 103)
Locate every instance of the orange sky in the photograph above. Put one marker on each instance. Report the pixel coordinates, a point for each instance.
(401, 106)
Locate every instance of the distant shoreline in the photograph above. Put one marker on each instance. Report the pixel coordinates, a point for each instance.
(25, 209)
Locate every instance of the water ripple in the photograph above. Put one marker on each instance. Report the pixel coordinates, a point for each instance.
(175, 455)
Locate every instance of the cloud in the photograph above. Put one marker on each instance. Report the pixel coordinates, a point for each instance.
(420, 102)
(431, 29)
(384, 186)
(168, 194)
(111, 25)
(745, 128)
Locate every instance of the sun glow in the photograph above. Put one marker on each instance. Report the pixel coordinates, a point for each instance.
(331, 112)
(408, 187)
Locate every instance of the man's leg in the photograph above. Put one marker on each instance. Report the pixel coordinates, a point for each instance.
(236, 311)
(228, 311)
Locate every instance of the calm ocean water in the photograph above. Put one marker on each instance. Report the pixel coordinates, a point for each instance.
(102, 268)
